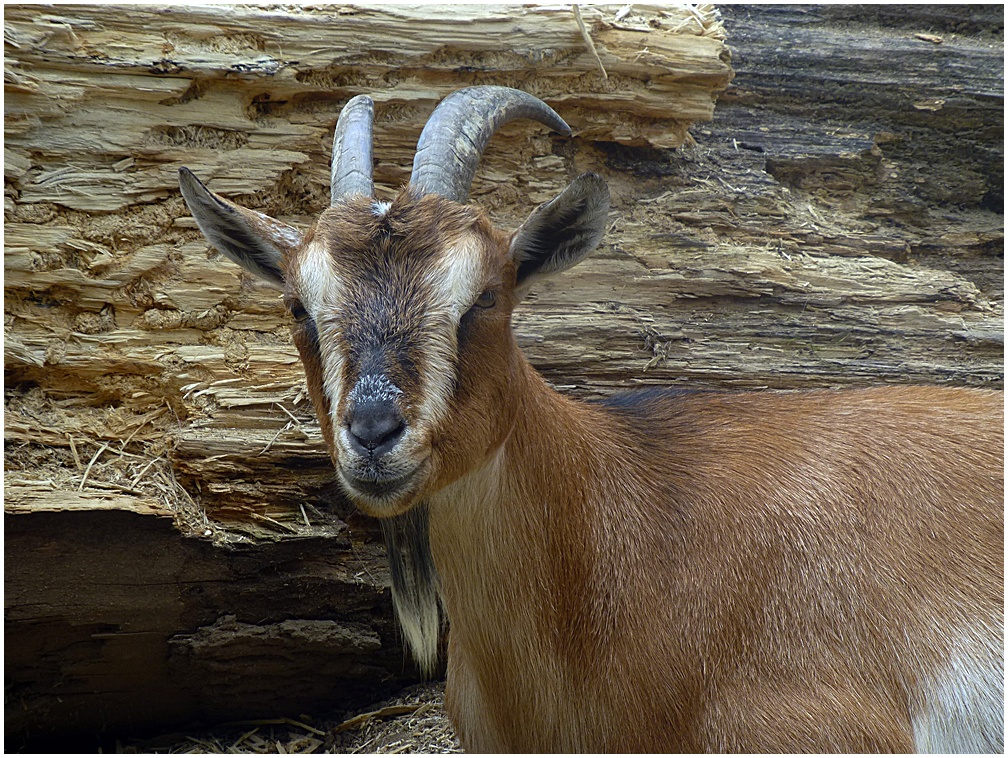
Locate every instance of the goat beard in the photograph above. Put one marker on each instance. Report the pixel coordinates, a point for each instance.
(414, 583)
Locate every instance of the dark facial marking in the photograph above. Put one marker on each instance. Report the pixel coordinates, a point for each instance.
(383, 318)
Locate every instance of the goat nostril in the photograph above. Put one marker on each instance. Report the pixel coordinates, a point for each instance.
(375, 427)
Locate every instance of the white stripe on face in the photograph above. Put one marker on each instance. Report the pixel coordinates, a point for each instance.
(316, 280)
(455, 280)
(321, 290)
(458, 276)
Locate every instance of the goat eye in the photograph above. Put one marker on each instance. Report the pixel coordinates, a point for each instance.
(297, 310)
(487, 299)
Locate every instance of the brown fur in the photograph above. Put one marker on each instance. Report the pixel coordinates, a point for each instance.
(755, 572)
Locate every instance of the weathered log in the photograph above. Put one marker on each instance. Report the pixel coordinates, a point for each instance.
(839, 222)
(176, 548)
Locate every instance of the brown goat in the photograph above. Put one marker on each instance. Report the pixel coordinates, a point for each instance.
(662, 571)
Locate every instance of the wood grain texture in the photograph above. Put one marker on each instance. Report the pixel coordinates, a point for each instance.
(839, 222)
(157, 425)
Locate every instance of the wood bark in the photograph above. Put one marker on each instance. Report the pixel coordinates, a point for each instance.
(176, 547)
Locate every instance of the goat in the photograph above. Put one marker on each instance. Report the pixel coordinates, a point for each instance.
(661, 571)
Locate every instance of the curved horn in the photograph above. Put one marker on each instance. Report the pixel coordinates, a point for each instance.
(458, 130)
(351, 153)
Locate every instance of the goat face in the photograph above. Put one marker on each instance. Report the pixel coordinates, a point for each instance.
(406, 300)
(403, 309)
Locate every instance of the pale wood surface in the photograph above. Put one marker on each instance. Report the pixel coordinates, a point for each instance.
(111, 296)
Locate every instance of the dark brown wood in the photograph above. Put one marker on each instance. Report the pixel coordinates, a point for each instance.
(116, 623)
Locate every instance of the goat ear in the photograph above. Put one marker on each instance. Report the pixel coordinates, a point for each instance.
(561, 232)
(251, 239)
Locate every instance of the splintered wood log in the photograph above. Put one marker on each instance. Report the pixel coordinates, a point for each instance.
(176, 547)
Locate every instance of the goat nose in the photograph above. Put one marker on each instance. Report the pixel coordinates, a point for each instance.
(375, 427)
